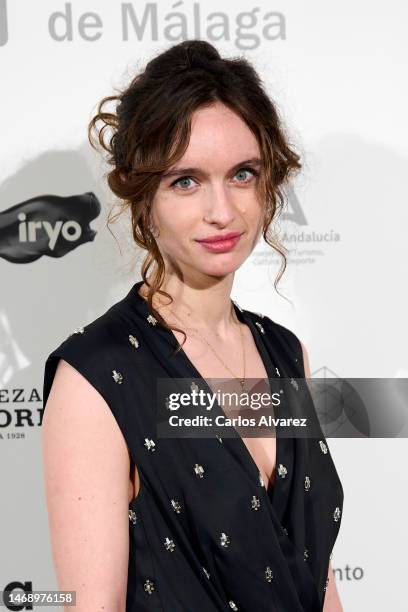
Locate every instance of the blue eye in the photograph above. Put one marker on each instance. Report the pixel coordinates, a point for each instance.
(183, 178)
(254, 173)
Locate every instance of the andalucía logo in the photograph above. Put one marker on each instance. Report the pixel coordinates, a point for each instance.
(47, 225)
(305, 244)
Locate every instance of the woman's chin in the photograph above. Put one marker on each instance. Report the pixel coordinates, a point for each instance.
(220, 269)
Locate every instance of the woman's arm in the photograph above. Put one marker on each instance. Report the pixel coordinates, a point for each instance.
(86, 474)
(332, 600)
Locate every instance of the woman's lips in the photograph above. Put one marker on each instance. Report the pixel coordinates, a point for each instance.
(221, 246)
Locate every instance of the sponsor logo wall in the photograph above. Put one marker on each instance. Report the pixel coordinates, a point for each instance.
(336, 72)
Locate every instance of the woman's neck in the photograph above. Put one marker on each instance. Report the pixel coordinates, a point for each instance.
(202, 308)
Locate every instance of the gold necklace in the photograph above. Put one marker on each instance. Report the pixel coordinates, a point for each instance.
(241, 380)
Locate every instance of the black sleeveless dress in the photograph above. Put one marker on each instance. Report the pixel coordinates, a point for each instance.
(205, 534)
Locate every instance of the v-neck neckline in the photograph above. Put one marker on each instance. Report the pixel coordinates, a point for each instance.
(244, 317)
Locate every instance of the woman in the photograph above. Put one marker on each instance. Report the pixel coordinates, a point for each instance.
(141, 522)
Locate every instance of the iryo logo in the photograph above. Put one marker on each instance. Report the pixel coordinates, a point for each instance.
(47, 225)
(27, 230)
(3, 23)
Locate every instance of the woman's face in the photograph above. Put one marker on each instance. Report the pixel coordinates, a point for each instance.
(211, 192)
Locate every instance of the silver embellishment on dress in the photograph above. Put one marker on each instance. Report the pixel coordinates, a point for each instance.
(167, 402)
(232, 605)
(325, 586)
(261, 480)
(323, 446)
(149, 586)
(305, 555)
(133, 340)
(194, 386)
(176, 506)
(277, 371)
(331, 555)
(149, 444)
(78, 330)
(255, 503)
(117, 377)
(294, 383)
(224, 539)
(282, 470)
(199, 470)
(336, 513)
(132, 516)
(169, 544)
(206, 573)
(261, 329)
(285, 530)
(268, 574)
(218, 438)
(307, 483)
(151, 319)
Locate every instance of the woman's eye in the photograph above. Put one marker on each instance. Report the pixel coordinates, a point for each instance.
(180, 181)
(251, 170)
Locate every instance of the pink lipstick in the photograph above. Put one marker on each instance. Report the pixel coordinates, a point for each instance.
(220, 243)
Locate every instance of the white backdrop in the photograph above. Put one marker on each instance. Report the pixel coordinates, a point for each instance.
(336, 71)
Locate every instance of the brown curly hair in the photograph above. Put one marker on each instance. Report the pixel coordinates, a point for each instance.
(151, 129)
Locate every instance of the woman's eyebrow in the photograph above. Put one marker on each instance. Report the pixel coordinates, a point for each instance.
(255, 161)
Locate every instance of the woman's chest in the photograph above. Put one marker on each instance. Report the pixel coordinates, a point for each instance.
(251, 378)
